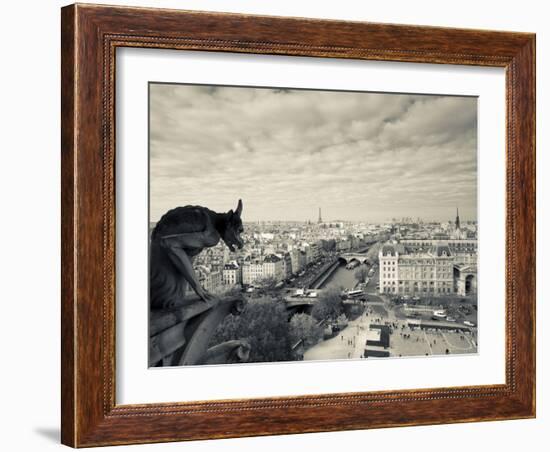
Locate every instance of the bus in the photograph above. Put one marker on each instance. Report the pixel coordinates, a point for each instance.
(353, 293)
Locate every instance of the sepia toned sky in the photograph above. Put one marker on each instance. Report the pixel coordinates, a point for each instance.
(358, 156)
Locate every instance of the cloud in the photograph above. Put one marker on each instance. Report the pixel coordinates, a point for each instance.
(359, 156)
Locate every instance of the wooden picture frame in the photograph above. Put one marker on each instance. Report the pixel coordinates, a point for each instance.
(90, 36)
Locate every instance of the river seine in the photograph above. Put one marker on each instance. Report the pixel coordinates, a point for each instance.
(342, 278)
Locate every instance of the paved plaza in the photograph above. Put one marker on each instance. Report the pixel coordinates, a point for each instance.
(350, 343)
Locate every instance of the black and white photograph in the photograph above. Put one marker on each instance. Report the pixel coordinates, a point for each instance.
(275, 226)
(300, 225)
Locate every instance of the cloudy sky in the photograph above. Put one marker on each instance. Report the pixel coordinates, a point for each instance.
(358, 156)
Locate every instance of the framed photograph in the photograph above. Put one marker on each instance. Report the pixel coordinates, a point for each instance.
(281, 225)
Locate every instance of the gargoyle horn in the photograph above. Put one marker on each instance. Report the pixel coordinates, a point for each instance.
(239, 208)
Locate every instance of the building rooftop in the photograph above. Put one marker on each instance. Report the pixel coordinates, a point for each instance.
(391, 249)
(431, 250)
(272, 258)
(440, 250)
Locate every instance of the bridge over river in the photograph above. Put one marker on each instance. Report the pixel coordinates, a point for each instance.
(332, 275)
(349, 257)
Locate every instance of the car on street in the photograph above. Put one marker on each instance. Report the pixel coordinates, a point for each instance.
(468, 323)
(450, 319)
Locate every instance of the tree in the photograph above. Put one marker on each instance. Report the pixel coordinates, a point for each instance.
(329, 305)
(305, 328)
(353, 311)
(268, 285)
(264, 323)
(372, 253)
(361, 274)
(342, 320)
(328, 245)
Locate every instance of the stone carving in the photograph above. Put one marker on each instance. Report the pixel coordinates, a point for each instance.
(181, 324)
(180, 235)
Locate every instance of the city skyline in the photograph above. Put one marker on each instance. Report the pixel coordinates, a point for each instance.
(337, 220)
(387, 221)
(363, 157)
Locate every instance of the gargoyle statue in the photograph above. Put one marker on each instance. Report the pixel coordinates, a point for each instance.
(180, 235)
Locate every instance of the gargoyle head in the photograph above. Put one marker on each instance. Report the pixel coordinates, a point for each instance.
(234, 228)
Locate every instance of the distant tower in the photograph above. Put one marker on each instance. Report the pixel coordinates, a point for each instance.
(457, 221)
(320, 218)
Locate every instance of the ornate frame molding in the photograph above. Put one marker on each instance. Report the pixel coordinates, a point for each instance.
(90, 37)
